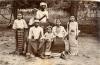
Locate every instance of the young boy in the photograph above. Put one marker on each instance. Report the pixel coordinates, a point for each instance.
(35, 33)
(48, 39)
(19, 26)
(31, 21)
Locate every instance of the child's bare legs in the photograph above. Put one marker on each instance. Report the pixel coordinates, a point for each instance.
(48, 48)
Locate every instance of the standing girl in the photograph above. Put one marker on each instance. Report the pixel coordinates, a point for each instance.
(72, 28)
(19, 26)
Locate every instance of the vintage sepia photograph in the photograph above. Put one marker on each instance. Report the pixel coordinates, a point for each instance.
(49, 32)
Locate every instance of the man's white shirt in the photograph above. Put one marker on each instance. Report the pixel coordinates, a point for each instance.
(40, 14)
(35, 32)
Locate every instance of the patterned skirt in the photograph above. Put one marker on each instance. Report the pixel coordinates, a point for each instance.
(73, 43)
(20, 40)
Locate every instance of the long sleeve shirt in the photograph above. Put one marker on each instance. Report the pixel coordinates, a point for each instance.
(35, 32)
(40, 14)
(19, 24)
(59, 31)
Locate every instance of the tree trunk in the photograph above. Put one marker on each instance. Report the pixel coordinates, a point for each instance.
(14, 9)
(74, 8)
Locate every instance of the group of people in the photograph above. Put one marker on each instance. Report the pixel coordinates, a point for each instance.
(41, 34)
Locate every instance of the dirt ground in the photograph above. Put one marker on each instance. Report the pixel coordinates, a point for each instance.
(89, 53)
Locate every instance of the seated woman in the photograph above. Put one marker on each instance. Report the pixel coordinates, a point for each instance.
(59, 32)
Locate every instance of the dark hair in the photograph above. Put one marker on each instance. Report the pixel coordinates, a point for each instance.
(21, 14)
(49, 27)
(58, 20)
(74, 17)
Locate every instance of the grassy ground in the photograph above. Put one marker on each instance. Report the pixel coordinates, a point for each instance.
(89, 53)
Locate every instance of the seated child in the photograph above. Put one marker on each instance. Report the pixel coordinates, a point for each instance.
(48, 39)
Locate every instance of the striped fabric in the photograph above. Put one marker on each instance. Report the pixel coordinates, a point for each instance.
(20, 40)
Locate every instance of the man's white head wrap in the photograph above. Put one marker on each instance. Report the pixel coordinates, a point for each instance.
(43, 3)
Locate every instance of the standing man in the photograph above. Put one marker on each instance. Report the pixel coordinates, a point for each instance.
(42, 15)
(19, 26)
